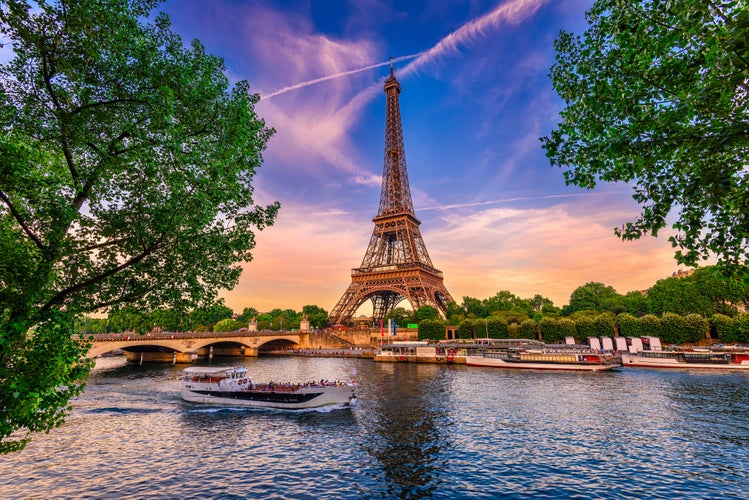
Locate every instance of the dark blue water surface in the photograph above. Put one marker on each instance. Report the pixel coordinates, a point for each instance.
(416, 431)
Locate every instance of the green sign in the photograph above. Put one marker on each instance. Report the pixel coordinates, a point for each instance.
(412, 325)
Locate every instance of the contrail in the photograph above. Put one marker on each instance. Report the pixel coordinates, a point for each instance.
(337, 75)
(511, 11)
(514, 199)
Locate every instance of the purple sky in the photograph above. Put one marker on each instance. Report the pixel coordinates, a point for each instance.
(475, 99)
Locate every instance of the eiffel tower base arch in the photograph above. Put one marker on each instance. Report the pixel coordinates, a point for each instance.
(387, 288)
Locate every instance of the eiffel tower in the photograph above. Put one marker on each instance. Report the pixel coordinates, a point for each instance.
(396, 266)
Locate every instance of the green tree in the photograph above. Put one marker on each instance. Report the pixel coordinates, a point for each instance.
(432, 329)
(725, 327)
(724, 293)
(228, 325)
(93, 325)
(706, 291)
(635, 303)
(474, 307)
(696, 328)
(678, 296)
(629, 325)
(516, 315)
(528, 329)
(401, 315)
(427, 312)
(317, 316)
(264, 321)
(210, 315)
(170, 320)
(125, 177)
(592, 296)
(247, 314)
(497, 327)
(471, 328)
(651, 325)
(656, 95)
(455, 313)
(585, 327)
(505, 301)
(538, 303)
(129, 318)
(742, 327)
(605, 325)
(555, 330)
(286, 319)
(673, 329)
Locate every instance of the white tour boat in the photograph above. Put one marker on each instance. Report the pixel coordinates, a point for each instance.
(545, 360)
(694, 359)
(232, 386)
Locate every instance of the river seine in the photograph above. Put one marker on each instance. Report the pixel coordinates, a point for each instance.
(416, 431)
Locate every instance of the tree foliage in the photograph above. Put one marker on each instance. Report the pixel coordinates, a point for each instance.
(673, 329)
(317, 316)
(696, 328)
(126, 162)
(651, 325)
(228, 325)
(528, 329)
(592, 296)
(497, 327)
(432, 329)
(706, 291)
(605, 325)
(629, 326)
(656, 94)
(555, 330)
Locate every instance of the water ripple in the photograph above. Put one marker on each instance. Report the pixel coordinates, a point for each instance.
(417, 431)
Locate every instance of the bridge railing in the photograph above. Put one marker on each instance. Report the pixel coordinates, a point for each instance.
(115, 337)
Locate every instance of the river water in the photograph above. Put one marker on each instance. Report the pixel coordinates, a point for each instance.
(416, 431)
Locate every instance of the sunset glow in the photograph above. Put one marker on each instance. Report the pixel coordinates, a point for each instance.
(475, 100)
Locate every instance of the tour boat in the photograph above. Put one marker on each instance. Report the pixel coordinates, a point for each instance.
(232, 386)
(694, 359)
(545, 360)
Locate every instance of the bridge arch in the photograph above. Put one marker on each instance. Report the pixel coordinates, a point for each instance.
(192, 343)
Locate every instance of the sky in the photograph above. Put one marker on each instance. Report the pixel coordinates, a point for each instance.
(475, 99)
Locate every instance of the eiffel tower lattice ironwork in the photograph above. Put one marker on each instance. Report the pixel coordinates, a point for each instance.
(396, 266)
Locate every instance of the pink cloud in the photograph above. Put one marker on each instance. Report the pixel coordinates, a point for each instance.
(481, 250)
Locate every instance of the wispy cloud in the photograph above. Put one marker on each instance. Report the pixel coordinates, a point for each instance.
(510, 200)
(512, 11)
(337, 75)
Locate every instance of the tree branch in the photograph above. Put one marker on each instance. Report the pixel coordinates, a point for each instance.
(20, 221)
(86, 107)
(49, 72)
(62, 294)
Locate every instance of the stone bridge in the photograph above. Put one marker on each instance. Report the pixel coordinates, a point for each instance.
(185, 347)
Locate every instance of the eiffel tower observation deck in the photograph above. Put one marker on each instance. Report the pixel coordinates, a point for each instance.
(396, 265)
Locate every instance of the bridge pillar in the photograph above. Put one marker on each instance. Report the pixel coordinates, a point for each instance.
(304, 340)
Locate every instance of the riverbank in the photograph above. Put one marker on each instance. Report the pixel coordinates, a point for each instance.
(327, 352)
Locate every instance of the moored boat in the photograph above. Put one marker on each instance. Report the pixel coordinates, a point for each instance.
(232, 386)
(545, 360)
(694, 359)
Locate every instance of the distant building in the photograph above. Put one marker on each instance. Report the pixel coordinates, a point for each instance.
(682, 274)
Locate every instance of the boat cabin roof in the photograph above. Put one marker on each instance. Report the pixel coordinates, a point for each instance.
(213, 370)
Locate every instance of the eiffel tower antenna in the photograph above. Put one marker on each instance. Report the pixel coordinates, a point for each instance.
(396, 265)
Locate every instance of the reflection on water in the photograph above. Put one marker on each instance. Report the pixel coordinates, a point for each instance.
(406, 427)
(416, 431)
